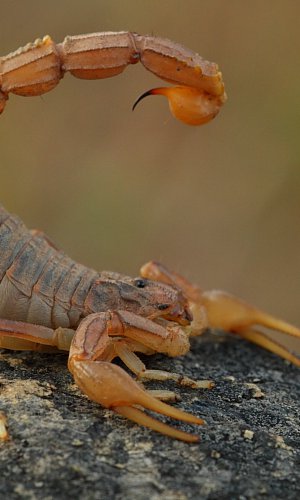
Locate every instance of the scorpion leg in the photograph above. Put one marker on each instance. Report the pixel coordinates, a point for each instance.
(217, 309)
(125, 350)
(91, 353)
(21, 336)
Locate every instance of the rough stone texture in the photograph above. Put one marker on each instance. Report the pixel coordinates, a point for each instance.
(64, 446)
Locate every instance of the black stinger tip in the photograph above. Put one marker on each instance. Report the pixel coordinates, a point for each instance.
(145, 94)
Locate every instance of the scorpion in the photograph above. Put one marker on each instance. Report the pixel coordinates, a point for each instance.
(50, 303)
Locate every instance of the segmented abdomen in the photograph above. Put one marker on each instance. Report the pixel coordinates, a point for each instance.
(38, 283)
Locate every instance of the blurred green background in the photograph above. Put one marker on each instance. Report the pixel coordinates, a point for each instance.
(218, 203)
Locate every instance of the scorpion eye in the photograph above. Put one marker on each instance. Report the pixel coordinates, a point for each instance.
(162, 307)
(140, 283)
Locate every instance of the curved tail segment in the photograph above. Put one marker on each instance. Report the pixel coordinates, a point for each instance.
(38, 67)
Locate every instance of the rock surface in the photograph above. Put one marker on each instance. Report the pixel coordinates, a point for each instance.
(64, 446)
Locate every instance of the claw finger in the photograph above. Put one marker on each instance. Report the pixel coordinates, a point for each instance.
(264, 341)
(144, 399)
(142, 418)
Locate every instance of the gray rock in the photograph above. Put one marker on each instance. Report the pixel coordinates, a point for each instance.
(64, 446)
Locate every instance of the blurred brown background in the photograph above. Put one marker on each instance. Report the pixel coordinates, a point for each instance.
(219, 203)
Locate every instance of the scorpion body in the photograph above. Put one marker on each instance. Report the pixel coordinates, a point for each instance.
(47, 300)
(39, 284)
(50, 302)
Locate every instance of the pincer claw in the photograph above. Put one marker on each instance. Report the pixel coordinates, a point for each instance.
(221, 310)
(112, 387)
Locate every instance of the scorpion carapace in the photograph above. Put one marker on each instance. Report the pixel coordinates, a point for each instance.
(38, 67)
(49, 302)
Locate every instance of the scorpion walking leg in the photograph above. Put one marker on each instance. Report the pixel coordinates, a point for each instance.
(28, 337)
(94, 346)
(219, 309)
(125, 352)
